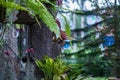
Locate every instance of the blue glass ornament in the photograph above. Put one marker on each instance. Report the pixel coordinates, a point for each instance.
(67, 44)
(108, 41)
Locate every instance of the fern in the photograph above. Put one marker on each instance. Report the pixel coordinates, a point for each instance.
(12, 5)
(35, 8)
(67, 27)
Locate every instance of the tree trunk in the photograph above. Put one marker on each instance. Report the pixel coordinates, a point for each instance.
(8, 66)
(40, 39)
(7, 71)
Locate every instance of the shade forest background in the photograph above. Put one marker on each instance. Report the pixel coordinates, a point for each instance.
(27, 29)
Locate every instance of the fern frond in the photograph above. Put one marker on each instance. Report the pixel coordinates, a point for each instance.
(67, 27)
(48, 2)
(12, 5)
(39, 9)
(35, 8)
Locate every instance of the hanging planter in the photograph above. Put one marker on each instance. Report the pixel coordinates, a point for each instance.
(109, 41)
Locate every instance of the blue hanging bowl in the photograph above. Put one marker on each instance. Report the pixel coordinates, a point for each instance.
(67, 44)
(109, 41)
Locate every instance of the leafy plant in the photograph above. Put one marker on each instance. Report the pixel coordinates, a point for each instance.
(75, 71)
(43, 14)
(98, 67)
(35, 8)
(58, 70)
(52, 69)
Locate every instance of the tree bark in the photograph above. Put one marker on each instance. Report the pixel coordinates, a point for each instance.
(40, 39)
(8, 62)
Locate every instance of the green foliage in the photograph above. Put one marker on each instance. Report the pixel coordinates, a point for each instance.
(96, 62)
(75, 71)
(39, 9)
(35, 8)
(12, 5)
(58, 70)
(53, 69)
(67, 30)
(67, 27)
(98, 66)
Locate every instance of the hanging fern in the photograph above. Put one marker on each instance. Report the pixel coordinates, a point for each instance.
(12, 5)
(35, 8)
(39, 9)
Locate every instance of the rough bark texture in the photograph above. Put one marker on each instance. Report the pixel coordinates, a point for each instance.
(7, 71)
(40, 38)
(7, 63)
(41, 41)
